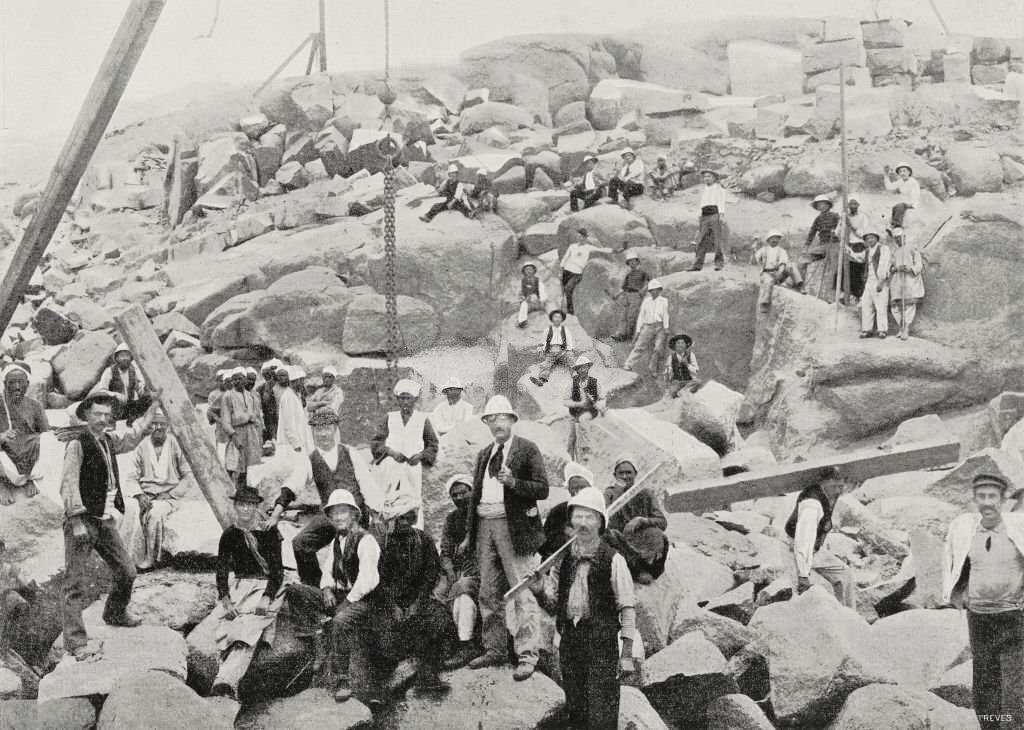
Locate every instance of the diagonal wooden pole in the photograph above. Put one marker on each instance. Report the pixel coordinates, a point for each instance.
(213, 480)
(99, 105)
(786, 478)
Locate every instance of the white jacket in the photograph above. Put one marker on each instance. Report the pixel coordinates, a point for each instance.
(958, 544)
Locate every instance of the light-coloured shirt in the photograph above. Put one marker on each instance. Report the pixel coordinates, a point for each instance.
(331, 398)
(589, 181)
(108, 373)
(292, 427)
(808, 517)
(771, 257)
(633, 172)
(909, 190)
(300, 478)
(368, 577)
(556, 337)
(156, 472)
(713, 195)
(622, 587)
(653, 311)
(577, 256)
(70, 489)
(996, 582)
(493, 491)
(446, 416)
(856, 223)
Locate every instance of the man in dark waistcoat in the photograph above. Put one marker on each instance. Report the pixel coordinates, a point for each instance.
(331, 465)
(91, 491)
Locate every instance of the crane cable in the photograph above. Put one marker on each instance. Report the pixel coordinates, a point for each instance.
(389, 150)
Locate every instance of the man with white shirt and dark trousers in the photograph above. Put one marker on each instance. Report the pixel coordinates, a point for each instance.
(711, 236)
(348, 592)
(586, 189)
(775, 269)
(808, 526)
(906, 186)
(874, 305)
(573, 262)
(651, 330)
(557, 348)
(983, 571)
(629, 180)
(452, 411)
(331, 465)
(503, 522)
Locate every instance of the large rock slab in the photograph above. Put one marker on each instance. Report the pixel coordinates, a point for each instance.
(611, 99)
(487, 697)
(76, 713)
(493, 114)
(80, 363)
(681, 679)
(757, 68)
(728, 635)
(301, 103)
(227, 158)
(974, 168)
(310, 708)
(817, 652)
(736, 712)
(125, 653)
(920, 646)
(156, 700)
(32, 528)
(887, 707)
(365, 329)
(659, 55)
(174, 599)
(956, 685)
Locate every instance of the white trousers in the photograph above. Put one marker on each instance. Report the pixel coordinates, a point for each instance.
(874, 306)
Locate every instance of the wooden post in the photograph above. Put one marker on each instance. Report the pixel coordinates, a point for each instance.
(100, 103)
(713, 493)
(214, 482)
(323, 38)
(311, 38)
(841, 262)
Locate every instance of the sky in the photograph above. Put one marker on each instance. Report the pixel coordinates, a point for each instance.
(50, 49)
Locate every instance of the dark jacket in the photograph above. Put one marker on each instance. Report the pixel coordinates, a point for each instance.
(824, 525)
(92, 480)
(530, 484)
(234, 555)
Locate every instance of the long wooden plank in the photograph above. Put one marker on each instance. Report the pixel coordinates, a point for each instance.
(100, 103)
(213, 480)
(713, 493)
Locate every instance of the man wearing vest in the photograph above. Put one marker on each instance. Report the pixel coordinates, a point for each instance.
(681, 368)
(592, 593)
(503, 522)
(584, 394)
(91, 491)
(874, 305)
(404, 443)
(349, 592)
(808, 526)
(330, 466)
(634, 283)
(983, 571)
(557, 347)
(124, 379)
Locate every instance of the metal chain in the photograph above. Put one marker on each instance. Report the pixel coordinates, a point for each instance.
(389, 148)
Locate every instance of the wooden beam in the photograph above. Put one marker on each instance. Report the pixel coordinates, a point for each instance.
(713, 493)
(100, 103)
(214, 482)
(311, 38)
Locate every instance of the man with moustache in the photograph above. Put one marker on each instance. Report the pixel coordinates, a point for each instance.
(984, 573)
(503, 522)
(459, 584)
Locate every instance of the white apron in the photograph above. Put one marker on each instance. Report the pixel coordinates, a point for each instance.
(405, 438)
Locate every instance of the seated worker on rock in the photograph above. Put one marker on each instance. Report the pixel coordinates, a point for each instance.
(482, 197)
(808, 526)
(557, 347)
(22, 421)
(585, 189)
(637, 529)
(776, 269)
(556, 524)
(249, 604)
(532, 295)
(664, 179)
(585, 401)
(634, 284)
(348, 592)
(459, 585)
(681, 368)
(628, 181)
(454, 194)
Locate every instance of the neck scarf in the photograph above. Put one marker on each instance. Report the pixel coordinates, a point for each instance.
(250, 541)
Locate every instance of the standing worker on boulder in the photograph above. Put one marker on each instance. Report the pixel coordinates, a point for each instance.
(983, 572)
(874, 305)
(293, 433)
(241, 421)
(573, 262)
(711, 236)
(651, 330)
(504, 525)
(532, 295)
(268, 403)
(906, 287)
(808, 526)
(634, 283)
(91, 491)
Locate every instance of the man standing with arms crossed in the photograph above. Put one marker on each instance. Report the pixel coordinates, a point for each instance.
(983, 571)
(503, 522)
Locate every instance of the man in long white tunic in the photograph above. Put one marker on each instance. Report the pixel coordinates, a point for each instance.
(158, 477)
(403, 444)
(293, 434)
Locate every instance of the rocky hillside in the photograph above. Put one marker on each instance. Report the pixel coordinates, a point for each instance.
(253, 227)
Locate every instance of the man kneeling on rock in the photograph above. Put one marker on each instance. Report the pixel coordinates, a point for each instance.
(808, 526)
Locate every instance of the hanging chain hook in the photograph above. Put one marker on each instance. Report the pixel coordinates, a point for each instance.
(389, 150)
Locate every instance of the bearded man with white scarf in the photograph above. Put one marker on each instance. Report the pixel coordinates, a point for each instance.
(159, 476)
